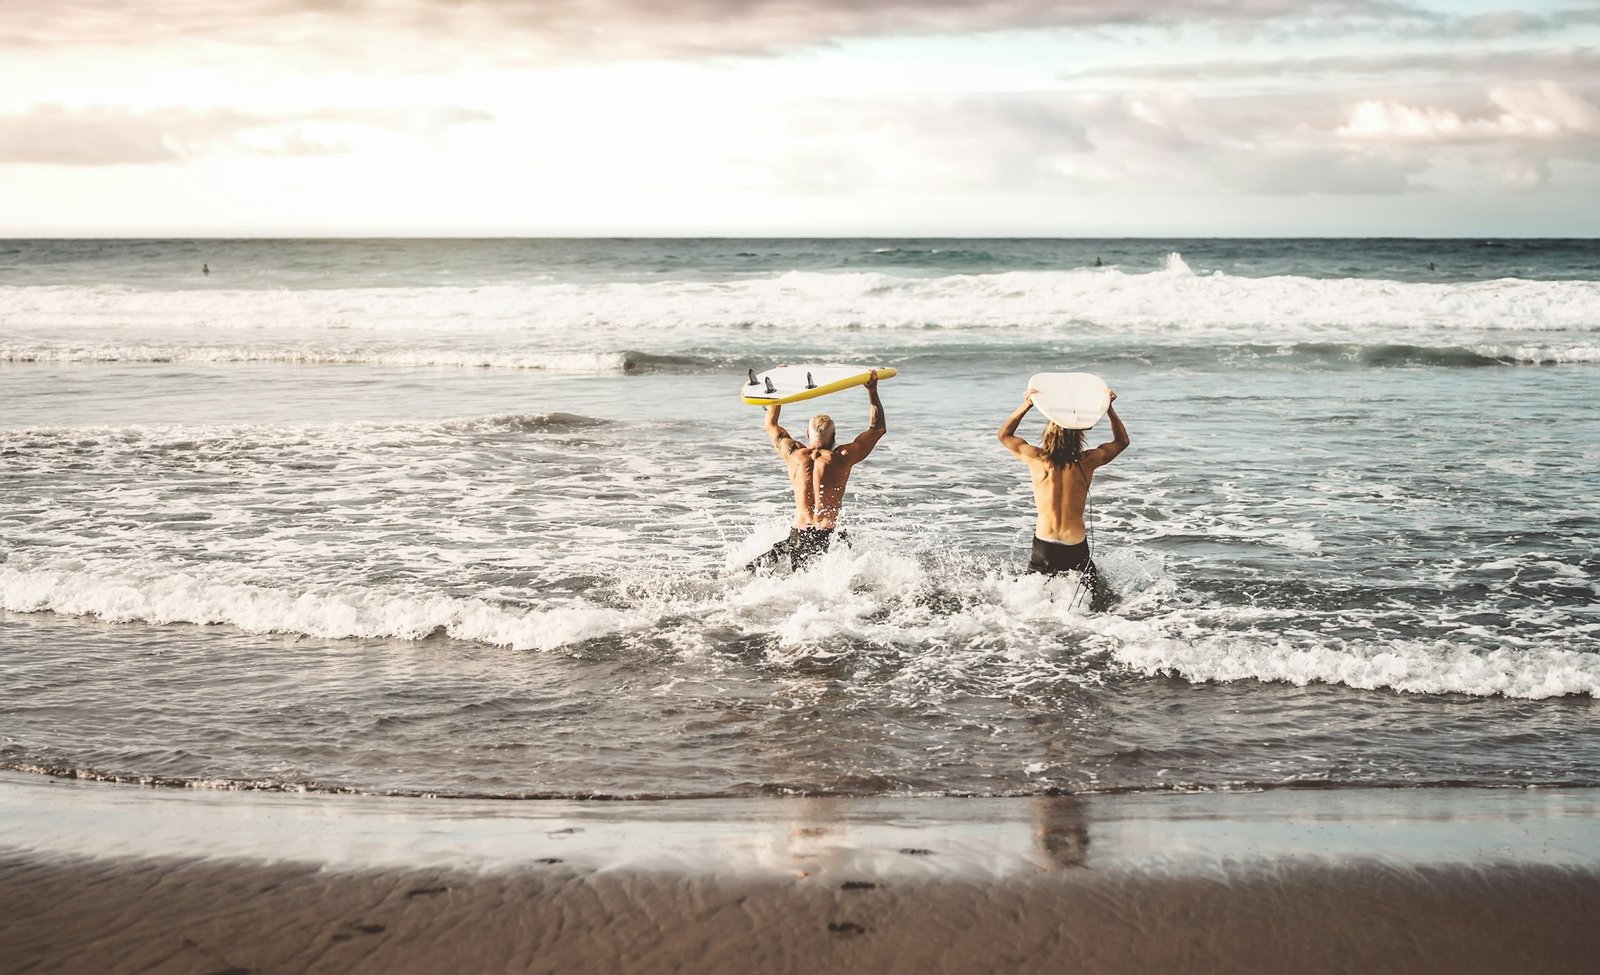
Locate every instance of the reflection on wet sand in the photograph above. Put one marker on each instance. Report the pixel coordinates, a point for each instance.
(1061, 827)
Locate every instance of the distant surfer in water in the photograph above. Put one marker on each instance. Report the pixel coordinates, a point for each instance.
(1061, 471)
(819, 472)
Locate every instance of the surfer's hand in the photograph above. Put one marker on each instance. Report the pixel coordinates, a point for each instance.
(872, 381)
(1027, 398)
(1111, 393)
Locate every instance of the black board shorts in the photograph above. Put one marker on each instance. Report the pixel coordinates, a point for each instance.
(1052, 558)
(802, 545)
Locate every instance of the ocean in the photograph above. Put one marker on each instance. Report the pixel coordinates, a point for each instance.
(467, 518)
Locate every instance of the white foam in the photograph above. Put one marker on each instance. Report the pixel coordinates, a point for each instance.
(1541, 354)
(155, 593)
(956, 621)
(958, 627)
(575, 362)
(1412, 666)
(1171, 298)
(334, 437)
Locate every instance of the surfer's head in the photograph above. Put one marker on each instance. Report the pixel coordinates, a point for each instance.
(822, 430)
(1062, 446)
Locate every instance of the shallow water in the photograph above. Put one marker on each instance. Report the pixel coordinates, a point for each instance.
(339, 525)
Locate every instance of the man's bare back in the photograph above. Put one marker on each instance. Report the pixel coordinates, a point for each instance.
(819, 476)
(1060, 493)
(819, 472)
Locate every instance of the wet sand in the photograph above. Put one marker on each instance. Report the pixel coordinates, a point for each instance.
(98, 877)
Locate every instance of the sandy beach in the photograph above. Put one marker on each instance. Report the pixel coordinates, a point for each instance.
(102, 877)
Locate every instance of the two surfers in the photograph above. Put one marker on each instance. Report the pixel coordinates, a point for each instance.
(1060, 469)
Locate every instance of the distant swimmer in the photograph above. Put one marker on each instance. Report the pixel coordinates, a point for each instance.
(205, 269)
(1431, 267)
(1099, 263)
(819, 472)
(1061, 471)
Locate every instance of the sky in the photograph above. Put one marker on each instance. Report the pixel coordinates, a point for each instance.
(799, 117)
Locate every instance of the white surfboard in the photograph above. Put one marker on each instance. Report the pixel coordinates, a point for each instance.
(1074, 400)
(791, 384)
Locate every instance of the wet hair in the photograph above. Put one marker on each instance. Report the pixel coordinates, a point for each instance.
(1062, 446)
(822, 430)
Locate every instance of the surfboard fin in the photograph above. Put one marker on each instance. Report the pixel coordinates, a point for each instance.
(753, 380)
(771, 388)
(809, 383)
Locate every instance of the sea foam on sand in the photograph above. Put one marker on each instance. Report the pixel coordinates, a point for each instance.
(100, 877)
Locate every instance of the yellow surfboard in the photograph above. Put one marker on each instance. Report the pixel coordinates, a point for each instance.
(791, 384)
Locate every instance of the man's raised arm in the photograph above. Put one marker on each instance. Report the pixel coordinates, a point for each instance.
(1108, 451)
(877, 425)
(877, 421)
(1008, 430)
(781, 441)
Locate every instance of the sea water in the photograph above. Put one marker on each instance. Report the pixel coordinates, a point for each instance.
(469, 517)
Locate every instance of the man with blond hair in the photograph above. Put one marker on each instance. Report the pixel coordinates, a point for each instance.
(818, 472)
(1061, 471)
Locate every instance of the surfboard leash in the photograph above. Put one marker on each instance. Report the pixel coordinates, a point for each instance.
(1088, 538)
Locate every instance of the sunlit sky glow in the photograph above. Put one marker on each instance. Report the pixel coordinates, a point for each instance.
(907, 117)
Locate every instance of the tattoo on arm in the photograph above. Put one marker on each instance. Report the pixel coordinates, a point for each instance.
(876, 410)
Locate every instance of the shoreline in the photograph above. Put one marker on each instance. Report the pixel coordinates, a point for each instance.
(1177, 832)
(95, 876)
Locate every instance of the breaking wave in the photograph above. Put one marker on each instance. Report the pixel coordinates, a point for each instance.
(574, 362)
(992, 631)
(156, 594)
(1174, 297)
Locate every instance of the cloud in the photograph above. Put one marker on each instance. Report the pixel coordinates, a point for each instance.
(1386, 123)
(1065, 145)
(53, 135)
(1510, 137)
(1574, 61)
(104, 136)
(1377, 123)
(615, 29)
(1539, 112)
(1324, 170)
(931, 143)
(1525, 173)
(1246, 145)
(1047, 143)
(1514, 23)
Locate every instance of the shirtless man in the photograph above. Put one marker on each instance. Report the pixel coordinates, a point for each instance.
(819, 472)
(1062, 471)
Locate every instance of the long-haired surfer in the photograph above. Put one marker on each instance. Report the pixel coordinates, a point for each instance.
(819, 472)
(1061, 471)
